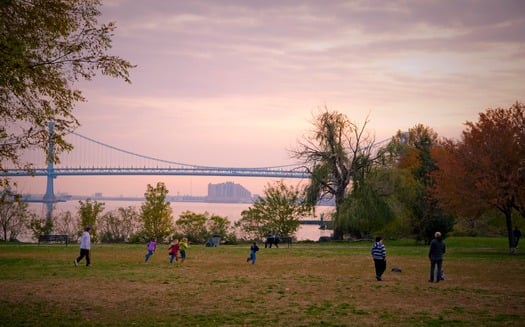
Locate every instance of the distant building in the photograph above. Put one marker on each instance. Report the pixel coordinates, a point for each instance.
(228, 192)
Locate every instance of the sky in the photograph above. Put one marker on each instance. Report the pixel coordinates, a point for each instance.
(235, 83)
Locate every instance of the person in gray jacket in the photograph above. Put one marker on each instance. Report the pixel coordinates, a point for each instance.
(435, 254)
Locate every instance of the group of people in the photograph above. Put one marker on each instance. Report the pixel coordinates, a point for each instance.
(435, 255)
(272, 239)
(176, 250)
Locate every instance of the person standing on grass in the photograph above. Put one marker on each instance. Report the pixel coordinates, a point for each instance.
(435, 255)
(379, 254)
(174, 250)
(85, 247)
(152, 246)
(253, 250)
(183, 246)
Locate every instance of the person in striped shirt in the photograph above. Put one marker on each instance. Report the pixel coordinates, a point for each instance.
(379, 255)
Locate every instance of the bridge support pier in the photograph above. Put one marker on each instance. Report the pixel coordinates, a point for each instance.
(50, 198)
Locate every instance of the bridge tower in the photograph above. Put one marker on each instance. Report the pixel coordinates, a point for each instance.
(50, 198)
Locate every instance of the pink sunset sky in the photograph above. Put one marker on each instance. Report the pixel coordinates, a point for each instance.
(237, 83)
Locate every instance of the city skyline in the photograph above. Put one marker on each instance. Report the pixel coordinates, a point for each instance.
(217, 191)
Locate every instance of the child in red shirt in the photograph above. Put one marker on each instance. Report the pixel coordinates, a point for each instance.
(174, 250)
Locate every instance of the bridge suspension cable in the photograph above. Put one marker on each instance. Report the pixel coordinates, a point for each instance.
(98, 158)
(174, 163)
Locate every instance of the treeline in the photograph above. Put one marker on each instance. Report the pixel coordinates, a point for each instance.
(419, 182)
(415, 185)
(154, 219)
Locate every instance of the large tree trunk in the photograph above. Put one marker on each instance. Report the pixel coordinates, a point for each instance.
(507, 211)
(339, 199)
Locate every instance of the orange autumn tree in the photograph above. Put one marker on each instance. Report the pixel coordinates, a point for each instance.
(486, 169)
(454, 184)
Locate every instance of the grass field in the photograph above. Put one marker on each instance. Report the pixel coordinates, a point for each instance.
(310, 284)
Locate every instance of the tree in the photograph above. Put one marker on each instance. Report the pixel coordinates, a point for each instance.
(221, 226)
(397, 188)
(119, 225)
(89, 212)
(45, 48)
(280, 210)
(66, 224)
(156, 212)
(253, 224)
(485, 169)
(200, 227)
(14, 215)
(193, 226)
(40, 226)
(337, 153)
(365, 210)
(412, 152)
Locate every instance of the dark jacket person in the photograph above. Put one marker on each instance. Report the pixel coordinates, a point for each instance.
(435, 254)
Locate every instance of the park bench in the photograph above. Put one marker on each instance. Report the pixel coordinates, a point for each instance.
(53, 239)
(287, 240)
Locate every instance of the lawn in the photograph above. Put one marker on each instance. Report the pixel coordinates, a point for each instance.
(309, 284)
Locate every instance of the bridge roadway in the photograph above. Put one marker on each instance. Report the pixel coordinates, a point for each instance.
(195, 171)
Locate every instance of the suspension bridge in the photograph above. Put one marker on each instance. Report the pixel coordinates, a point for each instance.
(94, 158)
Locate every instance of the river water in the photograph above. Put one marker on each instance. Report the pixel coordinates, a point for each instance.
(232, 211)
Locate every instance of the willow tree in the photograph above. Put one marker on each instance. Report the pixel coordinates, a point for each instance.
(337, 153)
(46, 47)
(366, 210)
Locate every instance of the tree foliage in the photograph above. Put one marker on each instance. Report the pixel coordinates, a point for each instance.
(14, 215)
(279, 210)
(40, 226)
(221, 226)
(46, 47)
(336, 153)
(398, 189)
(66, 224)
(486, 168)
(193, 226)
(409, 154)
(119, 225)
(156, 213)
(201, 227)
(88, 213)
(366, 209)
